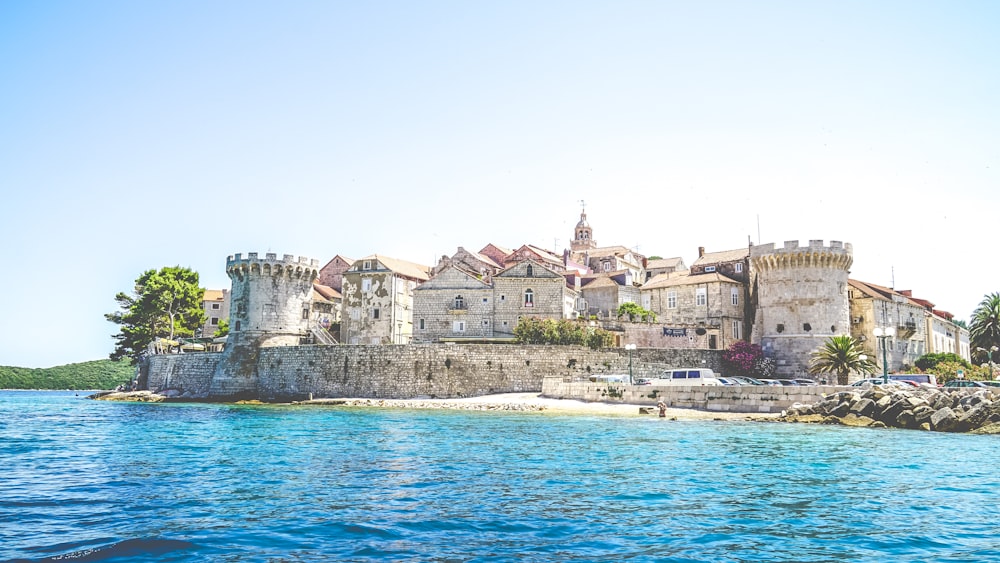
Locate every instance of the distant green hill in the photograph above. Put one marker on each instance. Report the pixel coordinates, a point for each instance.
(99, 374)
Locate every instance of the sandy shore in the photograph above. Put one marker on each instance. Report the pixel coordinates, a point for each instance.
(502, 402)
(536, 402)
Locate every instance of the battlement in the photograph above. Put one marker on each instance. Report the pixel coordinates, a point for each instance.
(271, 265)
(838, 255)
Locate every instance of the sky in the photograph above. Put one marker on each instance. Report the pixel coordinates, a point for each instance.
(138, 135)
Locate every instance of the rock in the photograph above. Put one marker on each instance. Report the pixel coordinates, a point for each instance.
(852, 419)
(944, 420)
(864, 407)
(992, 428)
(922, 415)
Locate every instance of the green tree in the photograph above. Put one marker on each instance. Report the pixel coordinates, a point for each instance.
(222, 329)
(928, 362)
(634, 311)
(840, 355)
(532, 330)
(164, 304)
(984, 332)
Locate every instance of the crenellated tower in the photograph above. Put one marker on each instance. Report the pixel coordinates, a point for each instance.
(270, 305)
(801, 300)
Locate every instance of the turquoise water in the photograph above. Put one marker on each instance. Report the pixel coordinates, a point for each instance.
(84, 480)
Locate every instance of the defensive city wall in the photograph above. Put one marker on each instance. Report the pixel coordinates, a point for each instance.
(287, 373)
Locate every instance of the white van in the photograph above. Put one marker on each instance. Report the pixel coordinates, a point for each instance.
(687, 376)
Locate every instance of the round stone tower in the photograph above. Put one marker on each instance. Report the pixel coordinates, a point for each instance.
(801, 300)
(270, 307)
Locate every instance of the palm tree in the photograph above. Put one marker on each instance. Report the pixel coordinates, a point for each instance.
(840, 355)
(984, 332)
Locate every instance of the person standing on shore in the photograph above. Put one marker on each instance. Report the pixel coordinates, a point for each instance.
(663, 408)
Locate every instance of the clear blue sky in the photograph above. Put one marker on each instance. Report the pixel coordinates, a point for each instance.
(136, 135)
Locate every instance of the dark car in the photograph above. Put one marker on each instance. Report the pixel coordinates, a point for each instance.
(964, 383)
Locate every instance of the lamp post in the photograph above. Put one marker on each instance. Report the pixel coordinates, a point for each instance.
(882, 334)
(630, 347)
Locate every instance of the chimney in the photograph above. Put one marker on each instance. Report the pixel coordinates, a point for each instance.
(701, 252)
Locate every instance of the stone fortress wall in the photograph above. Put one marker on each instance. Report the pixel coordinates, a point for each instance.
(400, 371)
(802, 300)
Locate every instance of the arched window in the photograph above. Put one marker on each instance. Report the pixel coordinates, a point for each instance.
(529, 298)
(530, 271)
(459, 302)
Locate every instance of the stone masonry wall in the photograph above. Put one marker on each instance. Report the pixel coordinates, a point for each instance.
(406, 371)
(741, 398)
(186, 373)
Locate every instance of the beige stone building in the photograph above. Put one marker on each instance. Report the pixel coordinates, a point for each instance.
(378, 300)
(601, 294)
(475, 262)
(530, 289)
(709, 305)
(454, 305)
(216, 305)
(663, 266)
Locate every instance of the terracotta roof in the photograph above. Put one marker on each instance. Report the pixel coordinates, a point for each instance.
(506, 251)
(326, 292)
(344, 258)
(402, 267)
(667, 280)
(602, 281)
(722, 256)
(663, 263)
(214, 295)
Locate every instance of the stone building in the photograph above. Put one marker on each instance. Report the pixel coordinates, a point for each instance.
(332, 274)
(663, 266)
(378, 300)
(453, 305)
(530, 289)
(734, 264)
(496, 253)
(540, 256)
(601, 294)
(325, 318)
(711, 305)
(802, 300)
(475, 262)
(917, 327)
(215, 302)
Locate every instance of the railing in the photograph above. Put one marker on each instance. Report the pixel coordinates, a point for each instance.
(323, 336)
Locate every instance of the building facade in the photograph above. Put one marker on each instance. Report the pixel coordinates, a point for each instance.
(378, 300)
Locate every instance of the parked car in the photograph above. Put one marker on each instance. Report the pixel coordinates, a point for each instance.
(991, 383)
(744, 380)
(728, 381)
(964, 383)
(878, 381)
(603, 378)
(805, 381)
(772, 382)
(921, 379)
(787, 382)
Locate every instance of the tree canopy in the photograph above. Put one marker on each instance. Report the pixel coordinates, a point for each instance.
(532, 330)
(164, 304)
(840, 355)
(98, 374)
(984, 332)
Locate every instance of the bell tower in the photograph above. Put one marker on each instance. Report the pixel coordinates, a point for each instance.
(583, 236)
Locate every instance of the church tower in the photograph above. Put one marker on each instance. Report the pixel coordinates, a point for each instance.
(583, 237)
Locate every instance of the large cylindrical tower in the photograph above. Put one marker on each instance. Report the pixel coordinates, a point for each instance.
(270, 307)
(801, 300)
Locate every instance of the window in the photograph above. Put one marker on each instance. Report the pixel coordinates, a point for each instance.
(458, 326)
(367, 265)
(237, 329)
(709, 269)
(420, 324)
(671, 300)
(355, 315)
(366, 285)
(305, 314)
(502, 298)
(701, 296)
(529, 298)
(737, 325)
(375, 313)
(607, 266)
(216, 306)
(739, 267)
(531, 271)
(215, 321)
(459, 302)
(486, 322)
(736, 296)
(485, 300)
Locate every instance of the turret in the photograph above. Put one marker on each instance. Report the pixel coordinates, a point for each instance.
(801, 300)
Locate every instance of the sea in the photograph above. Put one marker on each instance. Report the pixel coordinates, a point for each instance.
(85, 480)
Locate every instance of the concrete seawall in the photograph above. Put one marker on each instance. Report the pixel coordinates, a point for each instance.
(734, 399)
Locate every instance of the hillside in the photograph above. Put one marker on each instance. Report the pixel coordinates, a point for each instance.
(98, 374)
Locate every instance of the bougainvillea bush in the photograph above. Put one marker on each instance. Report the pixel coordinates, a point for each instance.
(743, 358)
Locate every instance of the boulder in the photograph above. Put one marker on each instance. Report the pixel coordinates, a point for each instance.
(864, 407)
(852, 419)
(944, 420)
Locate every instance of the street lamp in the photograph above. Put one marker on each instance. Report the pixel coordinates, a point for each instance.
(630, 347)
(882, 334)
(989, 357)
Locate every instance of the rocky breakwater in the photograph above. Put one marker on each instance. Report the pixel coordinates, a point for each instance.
(937, 410)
